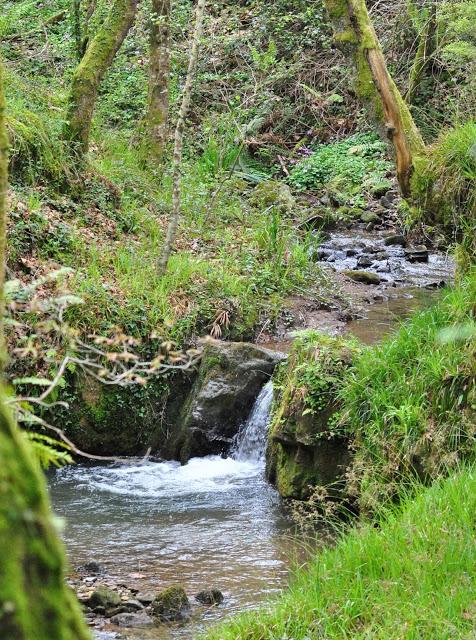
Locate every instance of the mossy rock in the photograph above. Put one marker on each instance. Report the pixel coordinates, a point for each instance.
(272, 193)
(171, 605)
(104, 597)
(114, 420)
(230, 377)
(305, 449)
(366, 277)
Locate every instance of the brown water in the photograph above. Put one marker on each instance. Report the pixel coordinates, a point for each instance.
(382, 318)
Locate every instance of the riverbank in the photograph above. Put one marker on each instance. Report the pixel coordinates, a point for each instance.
(412, 576)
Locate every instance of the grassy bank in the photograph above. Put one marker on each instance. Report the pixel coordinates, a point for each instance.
(413, 577)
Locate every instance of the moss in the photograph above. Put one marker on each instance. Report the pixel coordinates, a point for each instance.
(34, 599)
(305, 448)
(171, 604)
(114, 420)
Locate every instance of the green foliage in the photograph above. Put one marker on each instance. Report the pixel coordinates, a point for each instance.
(48, 451)
(412, 577)
(347, 169)
(320, 361)
(444, 186)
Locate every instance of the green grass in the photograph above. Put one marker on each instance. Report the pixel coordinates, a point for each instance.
(412, 578)
(410, 403)
(445, 187)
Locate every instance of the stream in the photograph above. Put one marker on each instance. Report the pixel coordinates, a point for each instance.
(212, 523)
(215, 522)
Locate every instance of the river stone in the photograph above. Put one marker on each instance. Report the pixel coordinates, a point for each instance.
(366, 277)
(364, 261)
(92, 568)
(230, 377)
(417, 254)
(171, 605)
(210, 596)
(369, 217)
(104, 597)
(132, 620)
(395, 240)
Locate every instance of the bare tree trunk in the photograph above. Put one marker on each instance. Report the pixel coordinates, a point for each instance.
(35, 603)
(159, 71)
(179, 131)
(91, 70)
(355, 33)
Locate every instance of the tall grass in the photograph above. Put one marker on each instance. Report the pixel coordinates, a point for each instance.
(413, 577)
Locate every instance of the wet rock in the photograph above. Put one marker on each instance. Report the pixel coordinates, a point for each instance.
(369, 217)
(100, 611)
(417, 254)
(395, 240)
(366, 277)
(171, 605)
(210, 597)
(130, 606)
(92, 568)
(364, 261)
(132, 620)
(230, 378)
(145, 598)
(104, 597)
(304, 450)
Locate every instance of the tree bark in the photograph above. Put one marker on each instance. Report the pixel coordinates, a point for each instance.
(159, 71)
(35, 603)
(354, 32)
(178, 143)
(91, 70)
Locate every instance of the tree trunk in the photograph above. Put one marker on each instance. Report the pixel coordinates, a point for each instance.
(35, 603)
(355, 33)
(91, 70)
(178, 145)
(159, 71)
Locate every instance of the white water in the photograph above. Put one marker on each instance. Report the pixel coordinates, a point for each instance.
(251, 442)
(200, 475)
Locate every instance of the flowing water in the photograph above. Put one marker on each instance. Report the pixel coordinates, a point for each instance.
(214, 522)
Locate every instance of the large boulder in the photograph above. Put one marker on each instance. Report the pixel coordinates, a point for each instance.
(304, 449)
(229, 380)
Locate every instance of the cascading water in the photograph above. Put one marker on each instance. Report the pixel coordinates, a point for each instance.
(251, 442)
(213, 522)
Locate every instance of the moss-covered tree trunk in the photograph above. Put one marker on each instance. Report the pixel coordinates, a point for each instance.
(159, 71)
(354, 32)
(91, 70)
(35, 603)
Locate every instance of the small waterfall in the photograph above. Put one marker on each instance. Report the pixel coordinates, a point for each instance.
(250, 444)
